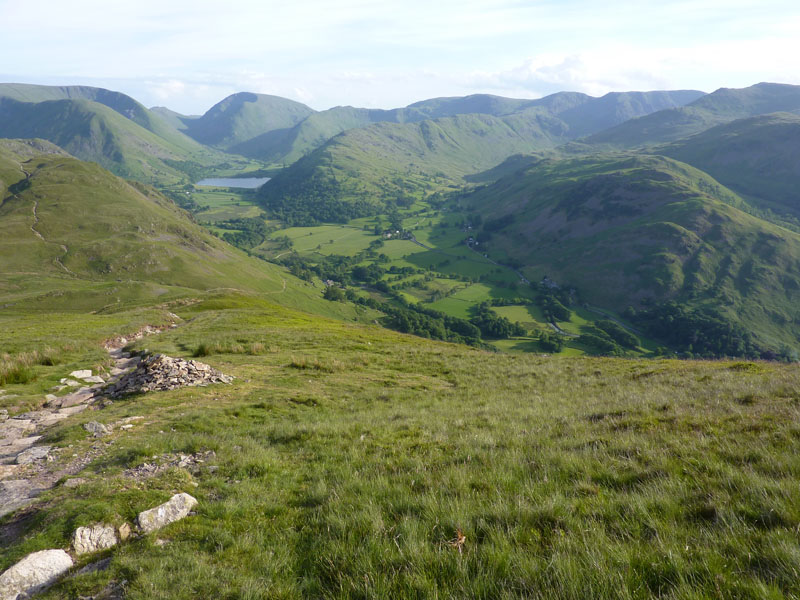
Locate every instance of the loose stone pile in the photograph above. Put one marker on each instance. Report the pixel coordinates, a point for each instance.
(159, 372)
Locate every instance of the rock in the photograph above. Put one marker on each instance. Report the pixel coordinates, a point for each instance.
(94, 379)
(98, 429)
(93, 539)
(69, 382)
(33, 454)
(8, 470)
(159, 372)
(124, 532)
(81, 374)
(175, 509)
(95, 567)
(75, 482)
(82, 396)
(3, 415)
(34, 573)
(50, 398)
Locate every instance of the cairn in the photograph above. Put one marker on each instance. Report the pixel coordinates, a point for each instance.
(159, 372)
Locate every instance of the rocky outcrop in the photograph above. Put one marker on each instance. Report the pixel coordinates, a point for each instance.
(175, 509)
(93, 539)
(159, 372)
(33, 573)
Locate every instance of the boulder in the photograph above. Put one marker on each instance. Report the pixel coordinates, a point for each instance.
(175, 509)
(83, 374)
(93, 539)
(98, 429)
(34, 573)
(33, 454)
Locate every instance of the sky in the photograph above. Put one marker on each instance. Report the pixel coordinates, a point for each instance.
(189, 54)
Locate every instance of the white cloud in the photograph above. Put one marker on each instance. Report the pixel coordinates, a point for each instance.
(189, 54)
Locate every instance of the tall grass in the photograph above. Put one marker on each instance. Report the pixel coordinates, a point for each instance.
(18, 368)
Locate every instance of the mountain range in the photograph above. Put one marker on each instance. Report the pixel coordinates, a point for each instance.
(634, 199)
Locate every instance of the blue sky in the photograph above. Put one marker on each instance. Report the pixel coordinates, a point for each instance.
(188, 55)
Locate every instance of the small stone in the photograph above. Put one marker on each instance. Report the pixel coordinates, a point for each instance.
(175, 509)
(93, 539)
(75, 482)
(97, 429)
(126, 427)
(34, 573)
(100, 565)
(83, 374)
(31, 455)
(94, 379)
(51, 398)
(124, 531)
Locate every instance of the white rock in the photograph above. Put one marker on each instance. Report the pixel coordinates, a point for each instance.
(97, 429)
(83, 374)
(33, 454)
(94, 379)
(34, 573)
(93, 539)
(175, 509)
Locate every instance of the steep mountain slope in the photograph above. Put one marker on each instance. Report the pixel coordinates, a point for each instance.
(721, 106)
(641, 230)
(581, 114)
(116, 101)
(106, 127)
(94, 132)
(758, 157)
(243, 116)
(359, 171)
(71, 233)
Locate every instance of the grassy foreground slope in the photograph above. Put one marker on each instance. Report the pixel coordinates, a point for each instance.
(348, 458)
(721, 106)
(640, 230)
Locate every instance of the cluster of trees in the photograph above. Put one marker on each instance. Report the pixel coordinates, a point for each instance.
(183, 199)
(704, 332)
(247, 233)
(314, 200)
(494, 326)
(552, 301)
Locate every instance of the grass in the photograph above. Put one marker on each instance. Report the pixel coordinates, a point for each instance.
(348, 456)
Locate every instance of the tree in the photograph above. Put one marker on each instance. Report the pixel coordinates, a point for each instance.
(333, 293)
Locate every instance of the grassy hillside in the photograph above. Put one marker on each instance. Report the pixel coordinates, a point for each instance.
(75, 237)
(361, 170)
(758, 157)
(348, 458)
(639, 230)
(719, 107)
(244, 116)
(108, 128)
(581, 114)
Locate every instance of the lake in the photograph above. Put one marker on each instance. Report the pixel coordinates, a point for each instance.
(241, 182)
